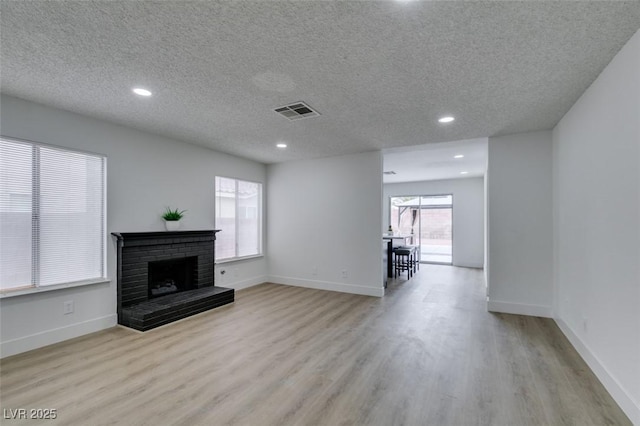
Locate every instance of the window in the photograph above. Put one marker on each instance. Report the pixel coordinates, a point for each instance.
(52, 216)
(239, 216)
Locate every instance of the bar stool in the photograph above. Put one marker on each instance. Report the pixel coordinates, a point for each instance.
(415, 256)
(403, 261)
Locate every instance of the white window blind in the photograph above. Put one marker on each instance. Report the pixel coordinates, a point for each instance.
(52, 211)
(239, 216)
(16, 233)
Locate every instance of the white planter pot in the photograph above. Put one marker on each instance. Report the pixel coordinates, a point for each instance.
(172, 225)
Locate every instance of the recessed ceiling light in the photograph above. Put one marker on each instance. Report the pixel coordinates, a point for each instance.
(447, 119)
(281, 145)
(142, 92)
(464, 173)
(458, 156)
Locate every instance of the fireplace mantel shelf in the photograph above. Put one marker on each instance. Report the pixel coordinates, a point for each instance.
(163, 234)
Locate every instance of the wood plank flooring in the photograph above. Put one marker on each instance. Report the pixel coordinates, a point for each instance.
(427, 353)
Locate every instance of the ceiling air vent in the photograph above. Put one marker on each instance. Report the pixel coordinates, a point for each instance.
(297, 111)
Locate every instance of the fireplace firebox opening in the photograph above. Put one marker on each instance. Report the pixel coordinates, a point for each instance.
(172, 276)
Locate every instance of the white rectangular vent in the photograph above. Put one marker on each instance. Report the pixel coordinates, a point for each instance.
(297, 111)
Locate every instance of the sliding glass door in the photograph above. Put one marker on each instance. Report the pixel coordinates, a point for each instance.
(436, 219)
(427, 221)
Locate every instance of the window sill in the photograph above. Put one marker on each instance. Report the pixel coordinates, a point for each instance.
(236, 259)
(33, 290)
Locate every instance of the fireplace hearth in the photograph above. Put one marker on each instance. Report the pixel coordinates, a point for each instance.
(166, 276)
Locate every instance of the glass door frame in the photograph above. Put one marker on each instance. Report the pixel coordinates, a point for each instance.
(420, 197)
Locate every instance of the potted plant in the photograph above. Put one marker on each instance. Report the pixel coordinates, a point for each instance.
(172, 218)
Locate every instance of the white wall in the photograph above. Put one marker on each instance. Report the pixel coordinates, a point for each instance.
(520, 233)
(324, 217)
(486, 229)
(597, 226)
(468, 213)
(145, 174)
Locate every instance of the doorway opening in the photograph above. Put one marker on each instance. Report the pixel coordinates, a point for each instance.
(427, 221)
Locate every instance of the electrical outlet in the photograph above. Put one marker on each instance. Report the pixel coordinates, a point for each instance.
(314, 270)
(345, 273)
(585, 324)
(67, 307)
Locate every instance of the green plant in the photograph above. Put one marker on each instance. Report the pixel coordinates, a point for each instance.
(172, 215)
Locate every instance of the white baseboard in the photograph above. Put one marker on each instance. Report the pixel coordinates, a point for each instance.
(49, 337)
(328, 285)
(520, 309)
(250, 282)
(469, 265)
(618, 393)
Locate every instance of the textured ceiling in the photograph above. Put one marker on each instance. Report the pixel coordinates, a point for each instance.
(379, 73)
(436, 161)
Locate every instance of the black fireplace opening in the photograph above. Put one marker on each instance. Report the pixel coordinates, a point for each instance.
(172, 276)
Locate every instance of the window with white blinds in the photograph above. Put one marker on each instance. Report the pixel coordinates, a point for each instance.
(52, 215)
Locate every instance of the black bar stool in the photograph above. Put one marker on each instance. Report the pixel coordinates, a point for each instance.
(415, 256)
(404, 261)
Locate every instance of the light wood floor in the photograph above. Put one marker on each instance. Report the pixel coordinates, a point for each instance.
(428, 353)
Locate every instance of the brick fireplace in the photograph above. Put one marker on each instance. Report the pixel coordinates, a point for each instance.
(166, 276)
